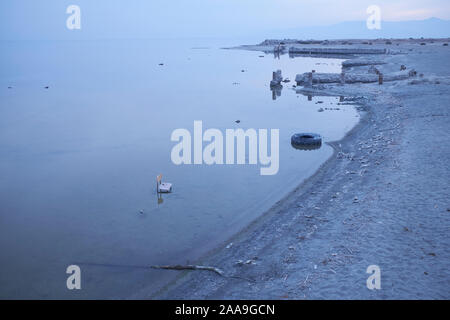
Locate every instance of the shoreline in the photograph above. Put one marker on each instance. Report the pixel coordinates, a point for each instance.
(318, 240)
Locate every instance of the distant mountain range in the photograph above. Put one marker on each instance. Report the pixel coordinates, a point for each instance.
(428, 28)
(92, 29)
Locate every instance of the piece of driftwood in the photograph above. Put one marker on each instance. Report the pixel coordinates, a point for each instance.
(190, 267)
(207, 268)
(168, 267)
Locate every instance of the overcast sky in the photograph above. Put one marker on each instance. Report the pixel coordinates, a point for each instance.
(197, 18)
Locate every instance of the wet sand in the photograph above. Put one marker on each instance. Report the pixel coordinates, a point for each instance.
(381, 199)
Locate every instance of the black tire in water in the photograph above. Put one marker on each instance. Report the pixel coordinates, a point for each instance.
(306, 141)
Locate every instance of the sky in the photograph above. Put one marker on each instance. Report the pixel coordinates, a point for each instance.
(46, 19)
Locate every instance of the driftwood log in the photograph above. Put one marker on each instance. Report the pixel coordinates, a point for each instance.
(189, 267)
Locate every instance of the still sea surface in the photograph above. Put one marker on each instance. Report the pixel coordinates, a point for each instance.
(78, 160)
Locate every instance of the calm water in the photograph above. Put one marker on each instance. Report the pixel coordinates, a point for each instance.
(78, 161)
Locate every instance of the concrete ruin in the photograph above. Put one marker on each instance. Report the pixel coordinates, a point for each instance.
(361, 62)
(336, 50)
(276, 78)
(310, 78)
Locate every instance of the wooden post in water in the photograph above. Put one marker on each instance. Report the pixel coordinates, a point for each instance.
(158, 181)
(380, 78)
(311, 80)
(312, 72)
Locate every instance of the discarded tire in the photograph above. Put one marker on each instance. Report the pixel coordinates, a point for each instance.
(306, 141)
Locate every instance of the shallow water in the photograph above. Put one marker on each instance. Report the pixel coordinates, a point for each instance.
(78, 160)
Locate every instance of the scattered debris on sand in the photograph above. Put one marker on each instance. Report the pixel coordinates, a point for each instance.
(383, 194)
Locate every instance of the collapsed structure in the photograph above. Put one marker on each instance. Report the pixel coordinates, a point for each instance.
(310, 78)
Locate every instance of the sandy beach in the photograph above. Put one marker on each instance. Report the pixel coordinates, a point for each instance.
(381, 199)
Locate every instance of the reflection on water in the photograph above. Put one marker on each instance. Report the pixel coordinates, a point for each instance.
(160, 198)
(276, 54)
(306, 147)
(276, 91)
(78, 160)
(275, 84)
(310, 96)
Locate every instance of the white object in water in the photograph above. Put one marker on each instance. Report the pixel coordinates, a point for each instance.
(162, 187)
